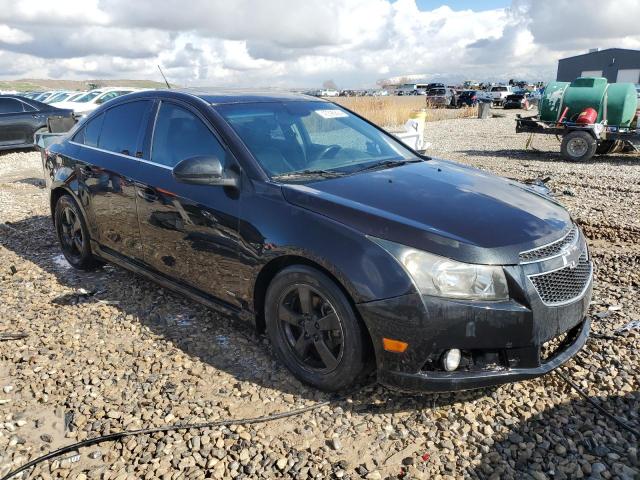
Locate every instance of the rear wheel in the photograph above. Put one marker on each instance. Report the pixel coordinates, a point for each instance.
(73, 234)
(578, 146)
(314, 329)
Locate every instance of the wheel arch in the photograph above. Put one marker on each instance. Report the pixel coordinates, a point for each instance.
(273, 267)
(55, 195)
(58, 192)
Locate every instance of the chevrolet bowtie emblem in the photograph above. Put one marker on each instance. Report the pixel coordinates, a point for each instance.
(570, 256)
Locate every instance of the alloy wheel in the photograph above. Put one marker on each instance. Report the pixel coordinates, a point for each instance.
(70, 230)
(312, 328)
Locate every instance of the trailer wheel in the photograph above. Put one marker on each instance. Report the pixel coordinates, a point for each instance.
(578, 146)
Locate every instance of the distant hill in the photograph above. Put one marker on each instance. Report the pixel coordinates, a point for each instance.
(28, 84)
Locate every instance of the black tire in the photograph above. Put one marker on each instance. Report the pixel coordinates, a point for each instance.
(578, 146)
(73, 234)
(347, 344)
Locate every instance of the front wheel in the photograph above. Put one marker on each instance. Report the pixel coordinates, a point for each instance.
(314, 330)
(73, 234)
(578, 146)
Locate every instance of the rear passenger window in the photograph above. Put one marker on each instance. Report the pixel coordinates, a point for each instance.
(122, 126)
(180, 134)
(27, 108)
(9, 105)
(90, 132)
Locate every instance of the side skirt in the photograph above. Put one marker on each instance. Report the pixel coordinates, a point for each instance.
(166, 282)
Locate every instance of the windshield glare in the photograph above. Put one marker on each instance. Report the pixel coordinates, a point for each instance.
(289, 137)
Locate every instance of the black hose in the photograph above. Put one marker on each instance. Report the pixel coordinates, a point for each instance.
(4, 336)
(167, 428)
(598, 407)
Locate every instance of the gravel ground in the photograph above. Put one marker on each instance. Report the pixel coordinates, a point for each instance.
(108, 351)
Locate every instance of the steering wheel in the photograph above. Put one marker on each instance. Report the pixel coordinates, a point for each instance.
(328, 149)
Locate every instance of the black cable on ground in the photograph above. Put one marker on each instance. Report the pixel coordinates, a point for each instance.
(167, 428)
(598, 407)
(4, 336)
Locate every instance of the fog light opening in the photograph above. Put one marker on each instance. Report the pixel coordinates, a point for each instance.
(451, 359)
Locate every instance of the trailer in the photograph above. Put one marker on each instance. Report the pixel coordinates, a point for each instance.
(580, 142)
(591, 115)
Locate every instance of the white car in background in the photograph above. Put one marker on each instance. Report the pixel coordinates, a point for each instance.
(63, 96)
(93, 99)
(499, 93)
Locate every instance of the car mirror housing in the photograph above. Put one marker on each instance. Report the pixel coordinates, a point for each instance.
(202, 170)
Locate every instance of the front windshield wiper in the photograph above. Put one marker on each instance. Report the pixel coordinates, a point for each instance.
(309, 173)
(386, 164)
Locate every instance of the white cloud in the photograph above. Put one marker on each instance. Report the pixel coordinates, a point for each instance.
(294, 43)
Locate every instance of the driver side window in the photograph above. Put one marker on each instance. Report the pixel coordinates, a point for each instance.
(179, 134)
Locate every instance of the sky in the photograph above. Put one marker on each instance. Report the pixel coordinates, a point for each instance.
(301, 44)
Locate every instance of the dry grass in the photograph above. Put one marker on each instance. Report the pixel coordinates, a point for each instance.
(393, 111)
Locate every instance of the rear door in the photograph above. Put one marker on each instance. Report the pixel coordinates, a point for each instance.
(189, 232)
(16, 124)
(113, 143)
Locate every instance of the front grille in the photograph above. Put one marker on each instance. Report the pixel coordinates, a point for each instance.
(565, 284)
(551, 249)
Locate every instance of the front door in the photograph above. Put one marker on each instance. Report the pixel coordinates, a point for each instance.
(189, 232)
(113, 143)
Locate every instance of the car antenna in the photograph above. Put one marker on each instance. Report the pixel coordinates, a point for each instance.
(165, 78)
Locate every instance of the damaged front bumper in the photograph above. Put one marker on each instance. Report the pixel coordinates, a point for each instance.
(500, 341)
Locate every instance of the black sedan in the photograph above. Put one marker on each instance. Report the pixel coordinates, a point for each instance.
(517, 100)
(21, 118)
(348, 248)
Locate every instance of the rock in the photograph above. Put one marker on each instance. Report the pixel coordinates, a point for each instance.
(335, 443)
(281, 463)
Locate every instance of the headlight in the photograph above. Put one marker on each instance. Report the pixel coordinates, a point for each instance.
(443, 277)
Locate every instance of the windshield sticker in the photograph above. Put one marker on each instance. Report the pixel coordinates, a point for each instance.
(331, 113)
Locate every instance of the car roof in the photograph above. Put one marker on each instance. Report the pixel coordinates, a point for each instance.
(226, 96)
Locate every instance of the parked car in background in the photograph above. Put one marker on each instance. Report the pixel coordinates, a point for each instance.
(30, 95)
(21, 118)
(517, 100)
(64, 96)
(439, 97)
(44, 95)
(327, 92)
(93, 99)
(344, 245)
(468, 98)
(499, 93)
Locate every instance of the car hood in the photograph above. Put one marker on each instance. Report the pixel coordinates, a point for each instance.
(439, 206)
(76, 107)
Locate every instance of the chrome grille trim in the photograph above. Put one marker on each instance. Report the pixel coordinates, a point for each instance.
(550, 250)
(565, 284)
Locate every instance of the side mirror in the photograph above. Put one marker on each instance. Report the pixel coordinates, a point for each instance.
(202, 170)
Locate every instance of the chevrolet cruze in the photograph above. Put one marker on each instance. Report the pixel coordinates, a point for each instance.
(348, 248)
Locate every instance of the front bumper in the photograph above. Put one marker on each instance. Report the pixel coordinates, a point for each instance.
(501, 341)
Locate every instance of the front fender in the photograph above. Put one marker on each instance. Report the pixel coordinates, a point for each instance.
(272, 228)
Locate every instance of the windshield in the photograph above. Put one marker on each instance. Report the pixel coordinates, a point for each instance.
(297, 136)
(499, 89)
(59, 97)
(87, 97)
(436, 91)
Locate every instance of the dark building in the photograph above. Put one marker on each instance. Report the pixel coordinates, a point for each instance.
(615, 64)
